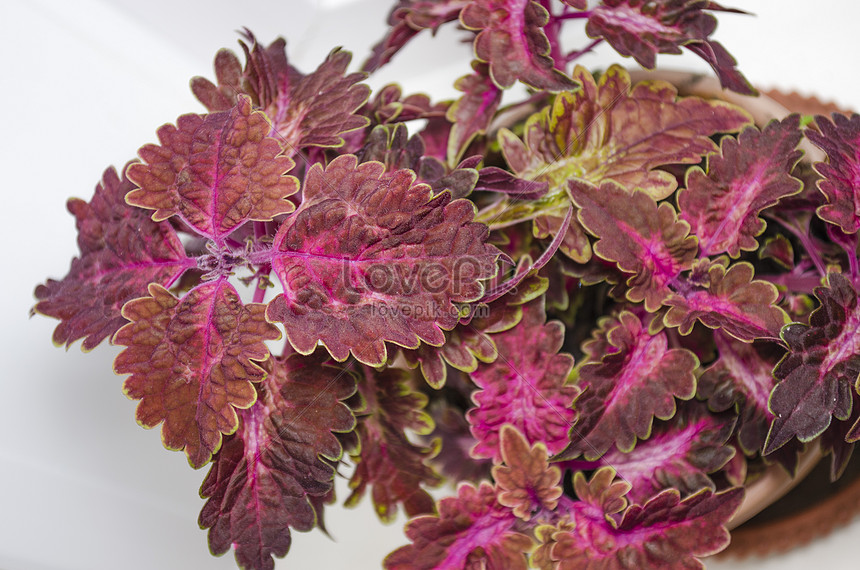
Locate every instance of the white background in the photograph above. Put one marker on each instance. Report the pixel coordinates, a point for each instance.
(84, 84)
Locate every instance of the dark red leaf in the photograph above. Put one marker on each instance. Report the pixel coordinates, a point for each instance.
(266, 74)
(839, 137)
(665, 532)
(526, 483)
(228, 74)
(609, 129)
(678, 455)
(642, 29)
(464, 347)
(729, 299)
(525, 387)
(305, 110)
(407, 18)
(472, 340)
(122, 251)
(512, 41)
(472, 112)
(472, 531)
(371, 257)
(817, 376)
(742, 378)
(638, 235)
(723, 64)
(215, 171)
(273, 474)
(192, 361)
(628, 388)
(389, 464)
(392, 146)
(749, 174)
(494, 179)
(320, 107)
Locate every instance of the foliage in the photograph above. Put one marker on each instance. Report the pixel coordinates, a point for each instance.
(594, 309)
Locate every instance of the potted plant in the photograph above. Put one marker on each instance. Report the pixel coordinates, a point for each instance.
(603, 308)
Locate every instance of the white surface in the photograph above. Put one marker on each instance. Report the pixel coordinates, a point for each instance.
(84, 85)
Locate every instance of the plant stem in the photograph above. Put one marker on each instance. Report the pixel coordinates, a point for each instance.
(572, 15)
(574, 55)
(260, 292)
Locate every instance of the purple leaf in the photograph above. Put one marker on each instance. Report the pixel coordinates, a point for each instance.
(406, 20)
(628, 388)
(272, 474)
(192, 361)
(839, 438)
(839, 137)
(665, 532)
(371, 257)
(817, 376)
(729, 299)
(122, 251)
(215, 171)
(525, 387)
(749, 174)
(526, 483)
(388, 463)
(512, 41)
(742, 378)
(454, 461)
(642, 29)
(638, 235)
(472, 112)
(472, 531)
(678, 455)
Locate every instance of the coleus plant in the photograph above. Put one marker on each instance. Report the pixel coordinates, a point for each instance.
(601, 310)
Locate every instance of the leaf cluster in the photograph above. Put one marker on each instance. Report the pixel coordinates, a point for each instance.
(599, 311)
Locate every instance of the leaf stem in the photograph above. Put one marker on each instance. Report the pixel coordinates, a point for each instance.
(574, 55)
(260, 289)
(794, 282)
(573, 15)
(551, 29)
(802, 234)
